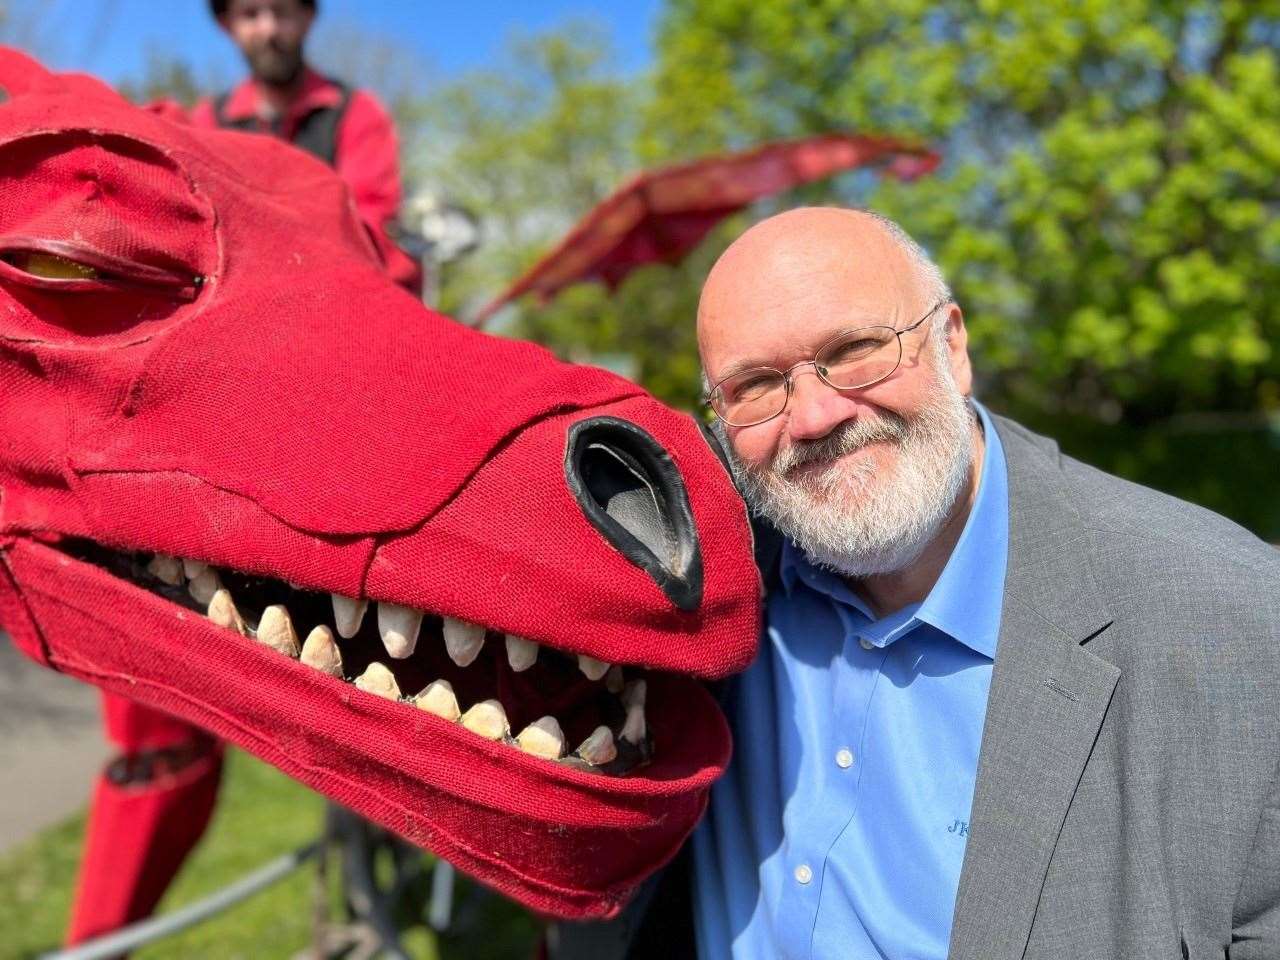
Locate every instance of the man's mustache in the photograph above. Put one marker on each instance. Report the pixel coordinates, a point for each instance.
(846, 438)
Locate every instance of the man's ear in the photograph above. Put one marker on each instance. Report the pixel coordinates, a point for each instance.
(958, 349)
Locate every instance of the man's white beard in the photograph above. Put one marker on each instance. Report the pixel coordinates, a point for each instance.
(848, 516)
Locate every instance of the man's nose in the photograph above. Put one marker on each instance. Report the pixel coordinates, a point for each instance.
(815, 408)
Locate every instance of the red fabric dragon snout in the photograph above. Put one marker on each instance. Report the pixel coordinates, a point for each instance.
(456, 585)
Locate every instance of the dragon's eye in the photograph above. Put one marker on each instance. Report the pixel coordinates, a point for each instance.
(50, 266)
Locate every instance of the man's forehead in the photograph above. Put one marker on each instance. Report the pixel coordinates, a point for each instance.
(791, 286)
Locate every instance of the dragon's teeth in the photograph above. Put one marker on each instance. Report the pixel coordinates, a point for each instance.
(614, 681)
(204, 586)
(633, 730)
(438, 698)
(348, 614)
(593, 669)
(168, 570)
(399, 628)
(377, 679)
(193, 568)
(599, 748)
(275, 630)
(320, 651)
(223, 612)
(462, 641)
(521, 653)
(488, 719)
(633, 694)
(542, 738)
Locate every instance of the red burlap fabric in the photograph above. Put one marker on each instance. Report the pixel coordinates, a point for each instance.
(240, 384)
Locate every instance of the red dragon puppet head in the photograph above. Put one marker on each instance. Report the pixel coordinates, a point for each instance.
(444, 579)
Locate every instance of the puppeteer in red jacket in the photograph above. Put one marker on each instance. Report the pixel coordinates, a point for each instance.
(343, 126)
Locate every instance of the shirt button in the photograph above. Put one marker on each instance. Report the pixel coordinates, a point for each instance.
(844, 759)
(865, 644)
(803, 873)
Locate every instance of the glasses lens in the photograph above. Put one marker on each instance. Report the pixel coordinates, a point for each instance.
(750, 397)
(860, 357)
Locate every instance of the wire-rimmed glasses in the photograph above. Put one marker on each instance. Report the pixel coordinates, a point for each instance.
(849, 361)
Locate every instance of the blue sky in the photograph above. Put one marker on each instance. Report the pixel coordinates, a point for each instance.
(111, 38)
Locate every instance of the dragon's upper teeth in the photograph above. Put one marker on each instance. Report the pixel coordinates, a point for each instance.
(598, 748)
(320, 651)
(167, 569)
(463, 641)
(399, 627)
(614, 681)
(275, 629)
(204, 586)
(348, 614)
(542, 738)
(223, 612)
(379, 680)
(193, 568)
(438, 698)
(488, 719)
(593, 668)
(521, 653)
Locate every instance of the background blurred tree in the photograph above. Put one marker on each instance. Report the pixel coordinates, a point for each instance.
(1107, 211)
(1108, 208)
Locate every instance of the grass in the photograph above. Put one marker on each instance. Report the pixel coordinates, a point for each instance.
(261, 814)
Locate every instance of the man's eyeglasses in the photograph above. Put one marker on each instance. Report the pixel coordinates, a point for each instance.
(850, 361)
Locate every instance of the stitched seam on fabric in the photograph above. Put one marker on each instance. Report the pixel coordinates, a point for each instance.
(436, 832)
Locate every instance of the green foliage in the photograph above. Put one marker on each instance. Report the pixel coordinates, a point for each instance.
(1107, 209)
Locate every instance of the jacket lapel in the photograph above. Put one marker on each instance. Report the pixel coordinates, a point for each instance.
(1047, 700)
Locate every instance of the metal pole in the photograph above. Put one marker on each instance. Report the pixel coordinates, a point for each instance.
(137, 934)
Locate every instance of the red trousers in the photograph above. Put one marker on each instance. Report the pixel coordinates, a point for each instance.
(150, 806)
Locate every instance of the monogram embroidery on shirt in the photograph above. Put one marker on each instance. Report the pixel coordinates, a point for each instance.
(960, 827)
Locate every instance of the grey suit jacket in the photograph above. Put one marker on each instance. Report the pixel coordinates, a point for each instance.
(1127, 803)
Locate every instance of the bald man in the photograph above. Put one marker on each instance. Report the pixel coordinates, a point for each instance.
(1006, 705)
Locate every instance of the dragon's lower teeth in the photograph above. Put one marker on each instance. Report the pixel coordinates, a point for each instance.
(320, 651)
(204, 586)
(633, 730)
(633, 694)
(438, 698)
(599, 748)
(377, 679)
(399, 628)
(223, 612)
(348, 614)
(166, 569)
(542, 738)
(487, 719)
(275, 629)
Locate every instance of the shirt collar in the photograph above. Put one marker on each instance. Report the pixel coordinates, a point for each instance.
(966, 601)
(314, 92)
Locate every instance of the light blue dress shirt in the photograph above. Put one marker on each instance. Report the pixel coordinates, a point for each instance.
(839, 829)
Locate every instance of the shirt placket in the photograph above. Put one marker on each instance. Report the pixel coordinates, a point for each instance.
(835, 801)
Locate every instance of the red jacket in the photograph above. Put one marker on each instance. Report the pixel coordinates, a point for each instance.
(365, 155)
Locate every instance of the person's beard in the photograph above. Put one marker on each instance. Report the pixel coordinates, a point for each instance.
(852, 517)
(274, 64)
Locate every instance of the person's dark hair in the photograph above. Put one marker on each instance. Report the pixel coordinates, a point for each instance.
(219, 7)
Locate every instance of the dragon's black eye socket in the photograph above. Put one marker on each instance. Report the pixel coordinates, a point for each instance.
(632, 492)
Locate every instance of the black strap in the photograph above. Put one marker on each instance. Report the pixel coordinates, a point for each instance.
(317, 132)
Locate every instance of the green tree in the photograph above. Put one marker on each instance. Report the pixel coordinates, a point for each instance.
(1107, 208)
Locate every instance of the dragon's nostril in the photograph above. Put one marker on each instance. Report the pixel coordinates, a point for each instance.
(632, 492)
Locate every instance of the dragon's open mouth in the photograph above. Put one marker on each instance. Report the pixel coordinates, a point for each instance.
(500, 687)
